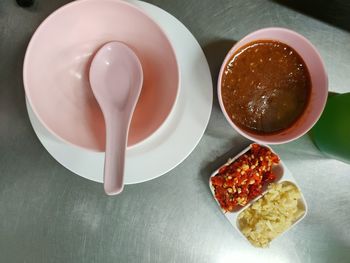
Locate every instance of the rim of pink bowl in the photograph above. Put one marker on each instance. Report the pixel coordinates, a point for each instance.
(228, 56)
(55, 13)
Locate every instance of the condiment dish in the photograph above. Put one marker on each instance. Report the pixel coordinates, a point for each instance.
(319, 84)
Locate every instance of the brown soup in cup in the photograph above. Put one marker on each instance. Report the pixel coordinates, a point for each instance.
(265, 87)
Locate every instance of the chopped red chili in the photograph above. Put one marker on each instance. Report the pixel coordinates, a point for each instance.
(239, 182)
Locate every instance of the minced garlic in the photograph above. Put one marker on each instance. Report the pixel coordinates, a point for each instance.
(272, 214)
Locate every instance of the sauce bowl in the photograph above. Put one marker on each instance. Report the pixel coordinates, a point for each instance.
(319, 84)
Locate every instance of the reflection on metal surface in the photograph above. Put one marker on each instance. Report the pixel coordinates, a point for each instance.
(248, 256)
(49, 215)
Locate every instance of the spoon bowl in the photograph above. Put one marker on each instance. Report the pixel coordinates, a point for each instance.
(116, 79)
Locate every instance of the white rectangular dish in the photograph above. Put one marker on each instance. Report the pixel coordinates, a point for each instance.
(282, 175)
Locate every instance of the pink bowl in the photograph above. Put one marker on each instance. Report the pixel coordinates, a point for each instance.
(57, 63)
(318, 76)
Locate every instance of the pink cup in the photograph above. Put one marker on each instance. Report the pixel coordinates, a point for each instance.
(319, 80)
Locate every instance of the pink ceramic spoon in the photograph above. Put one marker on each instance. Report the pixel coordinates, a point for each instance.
(116, 80)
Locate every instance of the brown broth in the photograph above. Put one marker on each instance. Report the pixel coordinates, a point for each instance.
(265, 87)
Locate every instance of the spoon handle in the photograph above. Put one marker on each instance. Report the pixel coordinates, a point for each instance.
(116, 142)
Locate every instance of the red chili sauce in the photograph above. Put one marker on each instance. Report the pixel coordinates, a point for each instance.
(241, 181)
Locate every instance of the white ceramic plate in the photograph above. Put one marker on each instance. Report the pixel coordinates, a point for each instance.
(179, 135)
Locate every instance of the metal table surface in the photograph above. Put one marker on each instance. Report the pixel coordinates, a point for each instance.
(48, 214)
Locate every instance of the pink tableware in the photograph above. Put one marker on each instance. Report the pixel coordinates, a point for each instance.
(319, 82)
(116, 81)
(57, 63)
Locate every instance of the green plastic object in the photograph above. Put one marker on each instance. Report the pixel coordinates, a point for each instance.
(331, 134)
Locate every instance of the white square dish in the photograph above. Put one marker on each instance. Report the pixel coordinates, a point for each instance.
(282, 175)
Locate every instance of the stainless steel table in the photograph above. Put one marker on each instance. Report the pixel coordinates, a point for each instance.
(48, 214)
